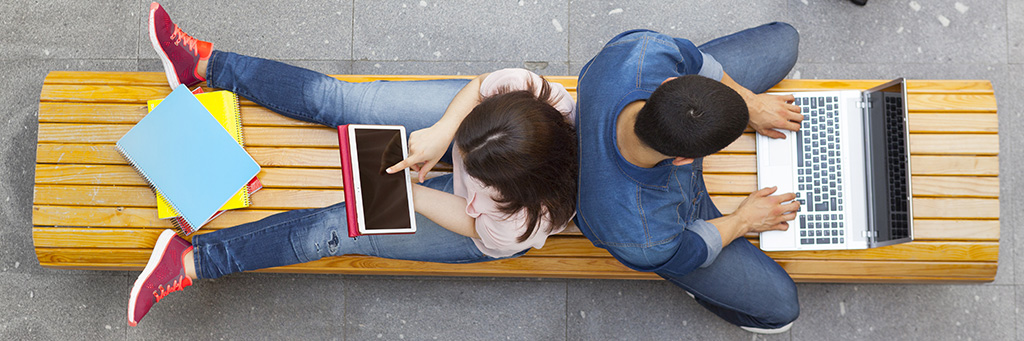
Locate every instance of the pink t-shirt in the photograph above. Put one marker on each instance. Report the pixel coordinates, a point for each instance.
(499, 233)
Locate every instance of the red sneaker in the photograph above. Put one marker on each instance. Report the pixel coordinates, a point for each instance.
(164, 274)
(179, 52)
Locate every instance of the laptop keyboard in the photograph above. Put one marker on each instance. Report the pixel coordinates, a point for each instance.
(818, 189)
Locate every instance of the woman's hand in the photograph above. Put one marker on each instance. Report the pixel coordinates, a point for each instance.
(770, 112)
(426, 147)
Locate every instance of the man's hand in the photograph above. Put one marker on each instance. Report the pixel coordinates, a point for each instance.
(770, 112)
(761, 211)
(426, 147)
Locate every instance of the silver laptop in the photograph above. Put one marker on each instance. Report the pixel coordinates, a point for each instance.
(850, 167)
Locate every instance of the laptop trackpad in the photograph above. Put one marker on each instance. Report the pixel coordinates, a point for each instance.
(779, 152)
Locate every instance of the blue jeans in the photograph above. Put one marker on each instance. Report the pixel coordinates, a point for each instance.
(743, 285)
(301, 236)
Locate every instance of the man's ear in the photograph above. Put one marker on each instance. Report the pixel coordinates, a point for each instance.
(681, 161)
(668, 79)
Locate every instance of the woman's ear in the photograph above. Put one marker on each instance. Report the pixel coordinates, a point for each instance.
(668, 79)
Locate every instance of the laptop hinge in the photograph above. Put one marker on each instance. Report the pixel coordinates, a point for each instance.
(869, 234)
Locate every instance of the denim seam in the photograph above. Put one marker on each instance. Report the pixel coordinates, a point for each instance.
(249, 234)
(643, 216)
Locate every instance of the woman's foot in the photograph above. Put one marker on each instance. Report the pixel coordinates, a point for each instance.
(164, 274)
(180, 53)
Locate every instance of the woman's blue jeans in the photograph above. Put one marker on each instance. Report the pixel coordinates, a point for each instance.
(743, 285)
(301, 236)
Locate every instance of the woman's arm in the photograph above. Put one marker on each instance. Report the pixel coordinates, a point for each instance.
(427, 145)
(445, 209)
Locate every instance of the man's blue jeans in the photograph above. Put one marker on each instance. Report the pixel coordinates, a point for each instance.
(743, 285)
(301, 236)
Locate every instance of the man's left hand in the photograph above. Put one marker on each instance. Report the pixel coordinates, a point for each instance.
(771, 112)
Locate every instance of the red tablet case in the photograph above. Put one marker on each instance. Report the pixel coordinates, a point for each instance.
(347, 181)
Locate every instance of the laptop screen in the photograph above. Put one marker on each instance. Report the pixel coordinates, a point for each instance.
(888, 175)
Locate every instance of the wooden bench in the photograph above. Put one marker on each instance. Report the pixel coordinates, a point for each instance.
(93, 211)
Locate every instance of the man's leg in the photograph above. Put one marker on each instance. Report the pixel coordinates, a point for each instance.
(757, 58)
(743, 286)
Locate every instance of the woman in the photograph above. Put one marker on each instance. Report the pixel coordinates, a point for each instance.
(513, 182)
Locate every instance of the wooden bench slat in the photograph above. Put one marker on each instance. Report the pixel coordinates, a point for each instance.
(913, 85)
(323, 137)
(556, 267)
(328, 178)
(956, 208)
(327, 158)
(556, 246)
(953, 123)
(62, 112)
(139, 217)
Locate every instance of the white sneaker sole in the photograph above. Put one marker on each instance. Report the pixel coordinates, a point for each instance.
(172, 74)
(165, 238)
(779, 330)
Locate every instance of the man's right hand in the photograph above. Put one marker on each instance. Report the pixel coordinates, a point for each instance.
(761, 211)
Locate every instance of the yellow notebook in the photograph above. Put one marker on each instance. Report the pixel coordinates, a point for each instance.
(224, 107)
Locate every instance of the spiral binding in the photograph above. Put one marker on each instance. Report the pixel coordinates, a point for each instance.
(180, 229)
(237, 113)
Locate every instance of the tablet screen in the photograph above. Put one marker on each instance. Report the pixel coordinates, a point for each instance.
(384, 198)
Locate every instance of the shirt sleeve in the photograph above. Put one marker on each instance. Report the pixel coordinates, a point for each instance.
(696, 62)
(711, 68)
(712, 239)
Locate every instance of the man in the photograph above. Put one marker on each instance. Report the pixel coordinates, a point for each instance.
(650, 107)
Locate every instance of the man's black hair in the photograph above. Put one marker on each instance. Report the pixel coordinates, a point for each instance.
(691, 116)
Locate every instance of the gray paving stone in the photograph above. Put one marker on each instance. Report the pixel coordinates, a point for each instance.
(454, 68)
(404, 30)
(55, 29)
(644, 310)
(58, 307)
(901, 31)
(593, 23)
(248, 307)
(331, 67)
(20, 85)
(315, 30)
(394, 309)
(905, 312)
(1015, 30)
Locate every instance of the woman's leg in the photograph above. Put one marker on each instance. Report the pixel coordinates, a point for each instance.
(305, 235)
(757, 58)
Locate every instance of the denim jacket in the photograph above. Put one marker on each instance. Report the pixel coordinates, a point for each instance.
(650, 219)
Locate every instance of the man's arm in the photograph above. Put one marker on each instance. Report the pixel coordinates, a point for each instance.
(768, 112)
(759, 212)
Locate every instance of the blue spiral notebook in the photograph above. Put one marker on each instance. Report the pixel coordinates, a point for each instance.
(187, 155)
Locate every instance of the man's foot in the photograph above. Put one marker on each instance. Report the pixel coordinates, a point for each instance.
(779, 330)
(164, 274)
(179, 52)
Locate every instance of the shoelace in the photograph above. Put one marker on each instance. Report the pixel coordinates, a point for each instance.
(176, 285)
(181, 38)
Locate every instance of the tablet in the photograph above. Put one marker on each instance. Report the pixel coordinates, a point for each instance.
(376, 202)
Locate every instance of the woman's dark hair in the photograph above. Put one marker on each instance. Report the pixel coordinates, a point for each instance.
(691, 116)
(520, 145)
